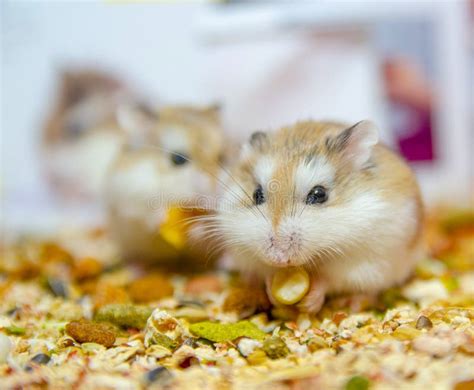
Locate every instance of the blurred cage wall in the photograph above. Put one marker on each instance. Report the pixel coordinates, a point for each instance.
(407, 66)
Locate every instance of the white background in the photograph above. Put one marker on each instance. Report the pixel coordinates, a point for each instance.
(193, 53)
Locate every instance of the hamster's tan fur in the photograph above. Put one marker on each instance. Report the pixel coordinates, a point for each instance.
(365, 237)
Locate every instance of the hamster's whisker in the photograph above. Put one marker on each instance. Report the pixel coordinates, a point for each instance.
(221, 182)
(198, 218)
(305, 204)
(223, 169)
(293, 192)
(243, 250)
(329, 251)
(241, 188)
(293, 200)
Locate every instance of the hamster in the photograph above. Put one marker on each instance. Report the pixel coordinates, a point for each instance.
(81, 135)
(173, 171)
(326, 197)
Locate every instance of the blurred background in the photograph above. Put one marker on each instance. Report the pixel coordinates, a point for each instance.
(409, 66)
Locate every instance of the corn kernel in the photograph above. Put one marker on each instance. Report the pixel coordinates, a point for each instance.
(290, 286)
(172, 229)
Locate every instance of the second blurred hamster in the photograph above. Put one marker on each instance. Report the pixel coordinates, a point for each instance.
(81, 136)
(161, 182)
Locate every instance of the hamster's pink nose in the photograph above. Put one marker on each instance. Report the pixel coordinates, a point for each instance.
(283, 248)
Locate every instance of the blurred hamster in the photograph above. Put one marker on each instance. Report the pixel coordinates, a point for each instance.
(82, 136)
(165, 182)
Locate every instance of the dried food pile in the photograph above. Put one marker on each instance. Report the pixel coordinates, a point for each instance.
(73, 315)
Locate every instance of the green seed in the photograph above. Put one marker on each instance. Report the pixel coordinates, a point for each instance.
(226, 332)
(275, 348)
(15, 330)
(128, 316)
(164, 341)
(357, 383)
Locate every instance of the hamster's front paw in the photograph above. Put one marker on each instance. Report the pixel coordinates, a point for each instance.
(268, 289)
(314, 299)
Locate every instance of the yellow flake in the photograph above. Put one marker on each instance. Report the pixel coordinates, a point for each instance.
(173, 230)
(290, 286)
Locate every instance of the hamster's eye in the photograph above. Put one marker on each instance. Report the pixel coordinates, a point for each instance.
(258, 196)
(74, 129)
(318, 194)
(179, 159)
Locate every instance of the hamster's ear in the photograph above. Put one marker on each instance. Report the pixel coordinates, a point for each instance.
(72, 88)
(258, 141)
(213, 112)
(137, 120)
(355, 142)
(215, 108)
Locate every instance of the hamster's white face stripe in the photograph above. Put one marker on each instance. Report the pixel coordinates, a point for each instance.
(245, 152)
(235, 193)
(309, 174)
(175, 140)
(231, 197)
(264, 170)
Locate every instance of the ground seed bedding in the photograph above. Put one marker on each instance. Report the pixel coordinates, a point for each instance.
(73, 315)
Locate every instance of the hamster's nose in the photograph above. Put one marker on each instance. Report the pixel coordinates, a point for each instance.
(294, 241)
(286, 243)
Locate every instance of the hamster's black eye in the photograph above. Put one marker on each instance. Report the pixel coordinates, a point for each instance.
(318, 194)
(74, 129)
(258, 196)
(179, 159)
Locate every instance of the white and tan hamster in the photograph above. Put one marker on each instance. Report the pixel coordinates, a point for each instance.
(81, 135)
(326, 197)
(153, 188)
